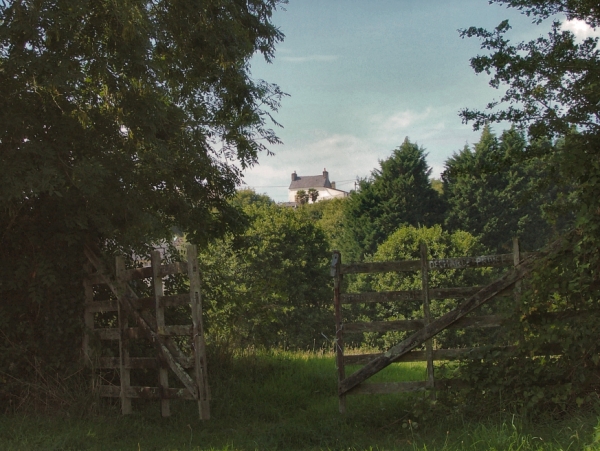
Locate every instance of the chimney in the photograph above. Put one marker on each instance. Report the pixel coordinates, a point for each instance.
(333, 185)
(294, 176)
(325, 174)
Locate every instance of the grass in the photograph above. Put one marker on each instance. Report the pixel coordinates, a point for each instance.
(286, 401)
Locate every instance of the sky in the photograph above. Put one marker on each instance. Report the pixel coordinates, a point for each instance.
(363, 75)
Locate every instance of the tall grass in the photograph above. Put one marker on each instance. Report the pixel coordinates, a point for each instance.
(283, 400)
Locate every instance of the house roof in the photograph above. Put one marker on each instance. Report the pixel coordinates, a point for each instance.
(310, 181)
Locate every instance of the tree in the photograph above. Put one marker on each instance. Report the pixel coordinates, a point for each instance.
(329, 216)
(302, 197)
(552, 92)
(245, 197)
(313, 194)
(117, 124)
(493, 197)
(551, 89)
(398, 193)
(269, 287)
(404, 244)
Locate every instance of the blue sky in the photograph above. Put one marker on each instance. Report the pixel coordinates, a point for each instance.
(363, 75)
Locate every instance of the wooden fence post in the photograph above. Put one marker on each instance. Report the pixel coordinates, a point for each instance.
(88, 317)
(198, 343)
(516, 261)
(124, 372)
(336, 262)
(427, 314)
(163, 372)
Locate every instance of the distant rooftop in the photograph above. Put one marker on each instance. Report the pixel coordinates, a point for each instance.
(310, 181)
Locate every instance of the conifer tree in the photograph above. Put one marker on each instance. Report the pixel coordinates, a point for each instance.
(494, 197)
(399, 193)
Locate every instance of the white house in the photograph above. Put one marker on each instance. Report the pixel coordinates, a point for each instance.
(321, 183)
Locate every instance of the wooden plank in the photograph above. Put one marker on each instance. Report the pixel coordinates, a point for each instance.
(484, 261)
(163, 373)
(385, 388)
(136, 333)
(101, 306)
(336, 263)
(199, 345)
(409, 295)
(427, 317)
(147, 272)
(113, 391)
(417, 324)
(136, 363)
(429, 331)
(397, 266)
(175, 300)
(438, 355)
(124, 372)
(94, 279)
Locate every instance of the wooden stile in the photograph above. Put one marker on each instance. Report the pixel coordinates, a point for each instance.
(169, 357)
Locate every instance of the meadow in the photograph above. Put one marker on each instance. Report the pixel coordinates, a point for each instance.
(286, 401)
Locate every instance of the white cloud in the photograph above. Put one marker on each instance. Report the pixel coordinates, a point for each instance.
(402, 120)
(309, 58)
(389, 131)
(580, 29)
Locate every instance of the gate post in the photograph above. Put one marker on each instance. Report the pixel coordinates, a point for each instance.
(163, 372)
(124, 363)
(336, 262)
(516, 261)
(427, 314)
(198, 343)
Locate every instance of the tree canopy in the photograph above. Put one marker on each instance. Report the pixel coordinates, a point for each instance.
(119, 122)
(551, 89)
(493, 197)
(125, 121)
(269, 287)
(398, 193)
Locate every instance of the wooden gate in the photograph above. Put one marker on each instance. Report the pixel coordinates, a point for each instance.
(425, 328)
(135, 320)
